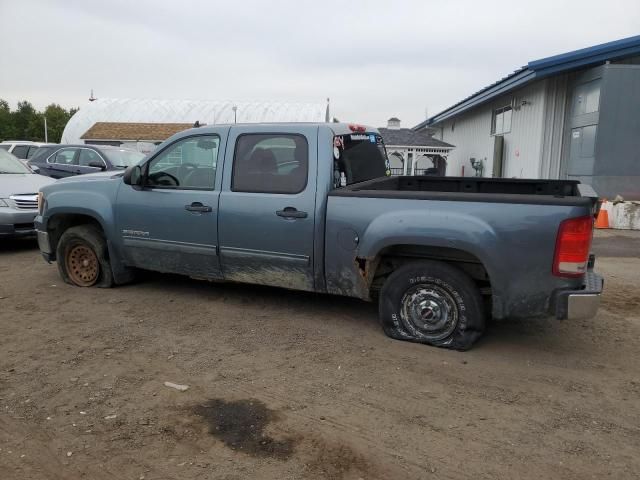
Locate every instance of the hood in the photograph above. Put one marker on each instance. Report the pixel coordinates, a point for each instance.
(92, 177)
(16, 183)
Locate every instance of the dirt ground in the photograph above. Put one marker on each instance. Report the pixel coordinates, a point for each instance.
(286, 385)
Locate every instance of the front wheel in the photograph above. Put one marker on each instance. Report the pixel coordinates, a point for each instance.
(434, 303)
(83, 258)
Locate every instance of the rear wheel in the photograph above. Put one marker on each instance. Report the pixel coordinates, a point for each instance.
(82, 257)
(433, 303)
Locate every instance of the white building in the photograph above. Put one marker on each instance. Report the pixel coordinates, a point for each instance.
(414, 152)
(573, 115)
(131, 111)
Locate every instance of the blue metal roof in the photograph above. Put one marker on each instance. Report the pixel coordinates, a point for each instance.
(538, 69)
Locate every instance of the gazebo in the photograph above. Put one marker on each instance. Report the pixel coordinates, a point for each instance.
(414, 152)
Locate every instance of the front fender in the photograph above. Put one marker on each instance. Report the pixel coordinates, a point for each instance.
(96, 205)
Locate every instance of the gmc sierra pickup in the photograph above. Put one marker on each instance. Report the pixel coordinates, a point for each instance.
(312, 207)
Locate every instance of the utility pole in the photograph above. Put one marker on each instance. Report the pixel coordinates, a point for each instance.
(46, 136)
(235, 110)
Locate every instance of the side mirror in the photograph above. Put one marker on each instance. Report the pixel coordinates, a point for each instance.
(34, 169)
(99, 165)
(133, 175)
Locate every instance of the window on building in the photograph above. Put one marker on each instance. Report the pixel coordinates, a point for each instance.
(501, 122)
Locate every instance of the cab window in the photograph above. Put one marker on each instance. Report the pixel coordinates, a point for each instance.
(189, 163)
(270, 163)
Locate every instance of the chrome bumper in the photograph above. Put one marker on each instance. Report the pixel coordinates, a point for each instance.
(580, 304)
(45, 246)
(43, 242)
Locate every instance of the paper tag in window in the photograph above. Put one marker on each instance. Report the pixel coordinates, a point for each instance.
(576, 134)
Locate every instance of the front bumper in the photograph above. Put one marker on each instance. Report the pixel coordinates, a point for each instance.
(16, 223)
(45, 246)
(583, 303)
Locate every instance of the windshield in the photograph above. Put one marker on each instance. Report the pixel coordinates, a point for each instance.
(359, 157)
(124, 158)
(10, 164)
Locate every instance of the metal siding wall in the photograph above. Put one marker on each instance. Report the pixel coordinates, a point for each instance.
(553, 126)
(522, 146)
(617, 164)
(472, 139)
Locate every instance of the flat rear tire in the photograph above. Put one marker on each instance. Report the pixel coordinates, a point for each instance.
(433, 303)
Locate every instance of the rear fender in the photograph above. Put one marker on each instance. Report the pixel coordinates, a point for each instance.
(433, 229)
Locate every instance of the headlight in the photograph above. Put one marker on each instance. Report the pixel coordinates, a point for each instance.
(3, 203)
(40, 203)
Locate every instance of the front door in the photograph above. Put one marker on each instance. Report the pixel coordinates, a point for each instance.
(170, 224)
(90, 161)
(267, 206)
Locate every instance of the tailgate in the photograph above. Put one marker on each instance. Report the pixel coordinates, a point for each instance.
(586, 191)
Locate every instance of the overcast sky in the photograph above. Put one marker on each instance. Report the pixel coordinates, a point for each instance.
(374, 59)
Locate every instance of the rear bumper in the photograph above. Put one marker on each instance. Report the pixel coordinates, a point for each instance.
(583, 303)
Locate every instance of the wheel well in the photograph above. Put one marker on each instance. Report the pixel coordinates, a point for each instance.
(390, 258)
(57, 225)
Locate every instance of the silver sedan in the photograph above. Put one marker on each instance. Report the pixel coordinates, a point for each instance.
(19, 188)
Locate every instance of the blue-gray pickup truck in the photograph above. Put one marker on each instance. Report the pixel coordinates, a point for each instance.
(312, 207)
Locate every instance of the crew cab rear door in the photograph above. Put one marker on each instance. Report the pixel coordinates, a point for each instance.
(267, 205)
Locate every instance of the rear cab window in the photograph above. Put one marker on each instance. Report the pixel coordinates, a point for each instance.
(358, 157)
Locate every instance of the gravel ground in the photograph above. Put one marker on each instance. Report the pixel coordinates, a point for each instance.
(288, 385)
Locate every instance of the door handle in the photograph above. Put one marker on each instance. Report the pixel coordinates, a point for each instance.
(291, 212)
(198, 207)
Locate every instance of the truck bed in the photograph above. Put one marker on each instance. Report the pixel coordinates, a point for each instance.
(474, 189)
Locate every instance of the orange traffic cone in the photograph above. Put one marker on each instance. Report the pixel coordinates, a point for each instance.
(602, 220)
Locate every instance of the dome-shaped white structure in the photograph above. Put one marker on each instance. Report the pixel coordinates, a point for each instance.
(188, 111)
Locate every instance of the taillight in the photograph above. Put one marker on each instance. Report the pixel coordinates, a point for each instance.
(572, 247)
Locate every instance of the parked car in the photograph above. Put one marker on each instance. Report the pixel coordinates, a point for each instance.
(69, 160)
(18, 196)
(22, 149)
(310, 207)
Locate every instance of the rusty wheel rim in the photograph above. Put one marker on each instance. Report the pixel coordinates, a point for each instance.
(82, 265)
